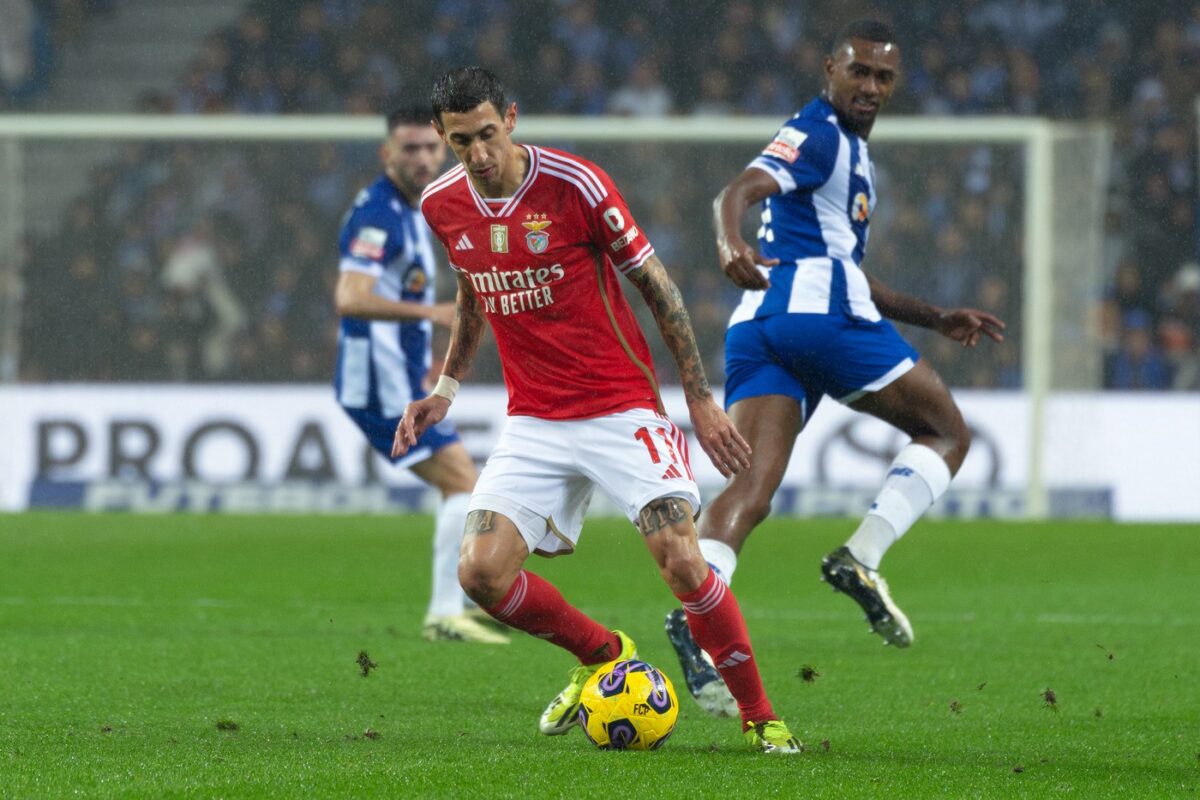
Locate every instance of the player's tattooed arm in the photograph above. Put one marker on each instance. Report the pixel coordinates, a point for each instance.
(662, 513)
(466, 331)
(662, 296)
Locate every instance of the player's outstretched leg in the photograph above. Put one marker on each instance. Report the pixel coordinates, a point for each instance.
(716, 622)
(919, 404)
(533, 605)
(714, 618)
(490, 572)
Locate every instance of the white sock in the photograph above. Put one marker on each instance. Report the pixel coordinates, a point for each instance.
(720, 557)
(916, 479)
(446, 599)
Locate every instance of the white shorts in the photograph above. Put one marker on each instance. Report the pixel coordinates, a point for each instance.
(541, 473)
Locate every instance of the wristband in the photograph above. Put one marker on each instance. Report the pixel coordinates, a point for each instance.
(446, 387)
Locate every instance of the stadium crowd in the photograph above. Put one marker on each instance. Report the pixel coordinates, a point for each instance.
(32, 35)
(216, 263)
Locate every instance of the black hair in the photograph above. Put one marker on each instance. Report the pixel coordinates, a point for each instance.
(869, 29)
(407, 115)
(463, 88)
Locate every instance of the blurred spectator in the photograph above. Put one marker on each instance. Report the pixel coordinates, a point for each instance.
(26, 52)
(644, 95)
(1138, 362)
(206, 315)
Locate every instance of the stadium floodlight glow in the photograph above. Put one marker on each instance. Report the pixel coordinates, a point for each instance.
(1065, 176)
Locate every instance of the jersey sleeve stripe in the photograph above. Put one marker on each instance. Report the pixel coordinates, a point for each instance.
(637, 260)
(786, 182)
(589, 195)
(595, 188)
(580, 167)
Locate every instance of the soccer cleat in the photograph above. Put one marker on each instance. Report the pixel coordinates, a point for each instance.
(773, 736)
(845, 573)
(563, 712)
(459, 628)
(703, 681)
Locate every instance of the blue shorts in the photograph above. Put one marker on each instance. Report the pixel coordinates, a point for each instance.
(807, 356)
(381, 431)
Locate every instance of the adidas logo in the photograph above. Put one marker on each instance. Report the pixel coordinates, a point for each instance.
(672, 472)
(464, 244)
(734, 659)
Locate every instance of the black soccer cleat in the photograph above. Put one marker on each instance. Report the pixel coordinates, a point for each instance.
(703, 681)
(845, 573)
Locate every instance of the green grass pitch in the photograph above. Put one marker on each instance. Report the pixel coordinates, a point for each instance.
(130, 647)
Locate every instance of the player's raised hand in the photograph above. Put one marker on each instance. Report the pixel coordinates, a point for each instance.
(419, 417)
(442, 314)
(725, 447)
(739, 262)
(965, 325)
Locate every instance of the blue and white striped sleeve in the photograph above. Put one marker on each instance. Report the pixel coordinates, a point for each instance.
(801, 156)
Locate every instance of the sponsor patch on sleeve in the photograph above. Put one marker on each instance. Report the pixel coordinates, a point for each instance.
(786, 144)
(369, 243)
(626, 239)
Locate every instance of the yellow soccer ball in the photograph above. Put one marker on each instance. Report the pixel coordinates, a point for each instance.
(628, 705)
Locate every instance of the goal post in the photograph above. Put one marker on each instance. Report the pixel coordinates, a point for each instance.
(1063, 171)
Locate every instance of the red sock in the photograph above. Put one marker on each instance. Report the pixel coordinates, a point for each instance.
(717, 626)
(536, 607)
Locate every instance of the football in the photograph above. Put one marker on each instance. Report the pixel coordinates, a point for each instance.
(628, 705)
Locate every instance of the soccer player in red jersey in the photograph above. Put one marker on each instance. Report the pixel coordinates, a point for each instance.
(537, 238)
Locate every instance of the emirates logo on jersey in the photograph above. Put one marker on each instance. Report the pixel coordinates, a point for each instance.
(537, 240)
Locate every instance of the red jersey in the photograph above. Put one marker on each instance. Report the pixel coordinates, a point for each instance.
(544, 265)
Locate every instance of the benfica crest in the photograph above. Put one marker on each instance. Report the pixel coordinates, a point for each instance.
(537, 240)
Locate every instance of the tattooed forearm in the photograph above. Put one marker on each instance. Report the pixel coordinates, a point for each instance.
(465, 333)
(662, 296)
(661, 513)
(481, 522)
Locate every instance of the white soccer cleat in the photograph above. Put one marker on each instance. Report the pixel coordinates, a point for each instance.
(459, 628)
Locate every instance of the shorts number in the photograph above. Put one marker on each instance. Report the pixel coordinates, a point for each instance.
(643, 435)
(614, 219)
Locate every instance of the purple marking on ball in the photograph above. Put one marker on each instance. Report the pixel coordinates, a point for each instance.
(621, 734)
(658, 699)
(614, 681)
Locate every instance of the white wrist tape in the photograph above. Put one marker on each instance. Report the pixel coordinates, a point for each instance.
(446, 387)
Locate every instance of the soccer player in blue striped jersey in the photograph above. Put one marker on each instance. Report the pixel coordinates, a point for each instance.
(812, 323)
(385, 297)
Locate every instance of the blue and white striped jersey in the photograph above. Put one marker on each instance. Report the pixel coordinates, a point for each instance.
(817, 225)
(380, 363)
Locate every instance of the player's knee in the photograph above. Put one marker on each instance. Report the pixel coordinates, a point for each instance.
(484, 582)
(958, 441)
